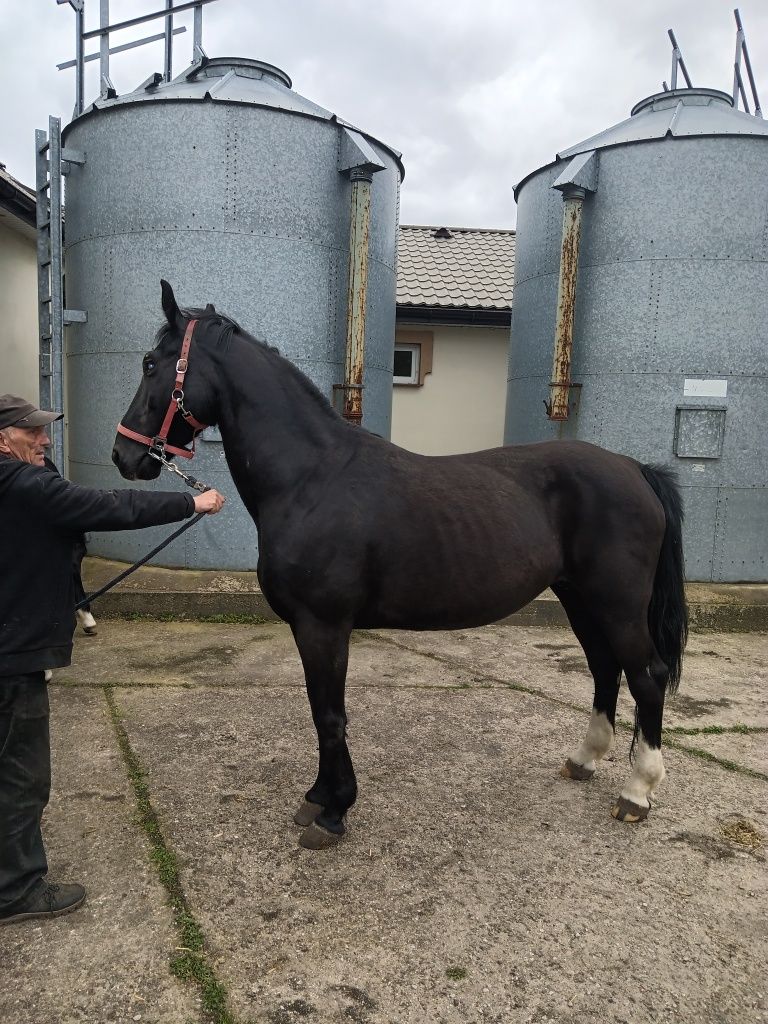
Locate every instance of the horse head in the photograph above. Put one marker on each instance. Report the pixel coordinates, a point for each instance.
(171, 404)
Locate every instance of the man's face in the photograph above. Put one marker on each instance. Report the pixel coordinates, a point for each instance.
(28, 444)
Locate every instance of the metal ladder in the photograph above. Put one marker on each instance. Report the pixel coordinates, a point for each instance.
(51, 163)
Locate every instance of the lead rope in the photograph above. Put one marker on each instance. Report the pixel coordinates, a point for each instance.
(157, 453)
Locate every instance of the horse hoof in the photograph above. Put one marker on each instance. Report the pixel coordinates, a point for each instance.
(577, 772)
(315, 837)
(90, 630)
(626, 810)
(307, 813)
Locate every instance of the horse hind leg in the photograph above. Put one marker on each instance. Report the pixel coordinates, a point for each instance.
(606, 672)
(646, 678)
(581, 764)
(324, 651)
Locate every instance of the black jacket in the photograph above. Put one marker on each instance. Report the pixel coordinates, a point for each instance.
(41, 517)
(79, 549)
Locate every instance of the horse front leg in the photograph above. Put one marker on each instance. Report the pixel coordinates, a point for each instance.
(324, 651)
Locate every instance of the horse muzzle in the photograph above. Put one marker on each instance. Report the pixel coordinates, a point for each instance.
(134, 465)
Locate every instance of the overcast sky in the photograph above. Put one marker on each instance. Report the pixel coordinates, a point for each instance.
(474, 93)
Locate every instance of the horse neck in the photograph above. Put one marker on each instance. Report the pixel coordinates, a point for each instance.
(276, 433)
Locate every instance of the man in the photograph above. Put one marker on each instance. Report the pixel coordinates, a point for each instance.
(42, 517)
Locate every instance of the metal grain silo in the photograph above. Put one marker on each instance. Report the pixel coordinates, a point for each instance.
(668, 291)
(240, 192)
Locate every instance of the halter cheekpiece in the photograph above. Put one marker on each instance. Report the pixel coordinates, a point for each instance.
(158, 445)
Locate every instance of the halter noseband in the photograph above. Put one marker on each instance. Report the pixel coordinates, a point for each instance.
(158, 445)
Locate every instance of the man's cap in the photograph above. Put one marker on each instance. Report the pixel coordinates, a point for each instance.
(18, 412)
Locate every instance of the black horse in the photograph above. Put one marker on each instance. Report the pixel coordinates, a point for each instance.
(355, 532)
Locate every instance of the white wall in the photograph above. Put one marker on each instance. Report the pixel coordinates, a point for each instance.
(460, 407)
(18, 309)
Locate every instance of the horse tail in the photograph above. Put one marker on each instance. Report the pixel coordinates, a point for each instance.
(668, 611)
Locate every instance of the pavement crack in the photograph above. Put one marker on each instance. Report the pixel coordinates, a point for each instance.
(716, 730)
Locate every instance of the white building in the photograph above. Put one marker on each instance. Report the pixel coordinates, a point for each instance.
(18, 289)
(454, 298)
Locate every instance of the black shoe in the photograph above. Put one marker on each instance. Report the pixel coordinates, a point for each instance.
(47, 901)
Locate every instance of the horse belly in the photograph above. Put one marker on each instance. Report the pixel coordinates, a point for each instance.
(443, 597)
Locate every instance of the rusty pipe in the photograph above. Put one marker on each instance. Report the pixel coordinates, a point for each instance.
(359, 231)
(559, 389)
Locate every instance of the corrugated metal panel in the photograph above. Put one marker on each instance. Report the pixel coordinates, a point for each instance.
(741, 548)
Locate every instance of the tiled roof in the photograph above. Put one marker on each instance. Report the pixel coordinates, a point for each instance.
(458, 268)
(12, 182)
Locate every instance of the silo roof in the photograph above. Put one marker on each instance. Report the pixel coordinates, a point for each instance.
(233, 80)
(677, 113)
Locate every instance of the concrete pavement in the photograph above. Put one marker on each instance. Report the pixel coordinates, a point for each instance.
(475, 886)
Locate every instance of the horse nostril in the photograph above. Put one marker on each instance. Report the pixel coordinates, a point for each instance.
(115, 457)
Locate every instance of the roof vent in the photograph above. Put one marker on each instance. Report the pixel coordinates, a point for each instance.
(442, 233)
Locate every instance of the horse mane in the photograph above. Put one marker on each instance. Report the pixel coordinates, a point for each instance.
(229, 327)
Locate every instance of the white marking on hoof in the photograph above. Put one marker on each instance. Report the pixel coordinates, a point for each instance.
(647, 774)
(596, 744)
(48, 675)
(87, 621)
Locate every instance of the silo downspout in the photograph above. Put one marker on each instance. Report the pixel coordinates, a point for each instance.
(560, 386)
(359, 161)
(359, 231)
(579, 177)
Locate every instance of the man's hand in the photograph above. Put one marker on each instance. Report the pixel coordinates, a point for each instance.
(210, 502)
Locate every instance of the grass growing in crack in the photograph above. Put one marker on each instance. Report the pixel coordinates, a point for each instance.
(716, 730)
(455, 973)
(704, 755)
(191, 963)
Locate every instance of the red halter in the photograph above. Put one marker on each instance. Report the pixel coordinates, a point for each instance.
(159, 443)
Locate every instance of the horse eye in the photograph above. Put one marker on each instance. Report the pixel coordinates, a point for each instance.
(149, 364)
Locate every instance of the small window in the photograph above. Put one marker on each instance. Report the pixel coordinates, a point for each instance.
(413, 357)
(406, 370)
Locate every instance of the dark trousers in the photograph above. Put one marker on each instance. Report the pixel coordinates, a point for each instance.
(25, 783)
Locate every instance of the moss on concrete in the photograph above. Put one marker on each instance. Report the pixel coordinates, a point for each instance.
(192, 963)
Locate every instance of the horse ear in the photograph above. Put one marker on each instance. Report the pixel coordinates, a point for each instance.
(210, 308)
(171, 310)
